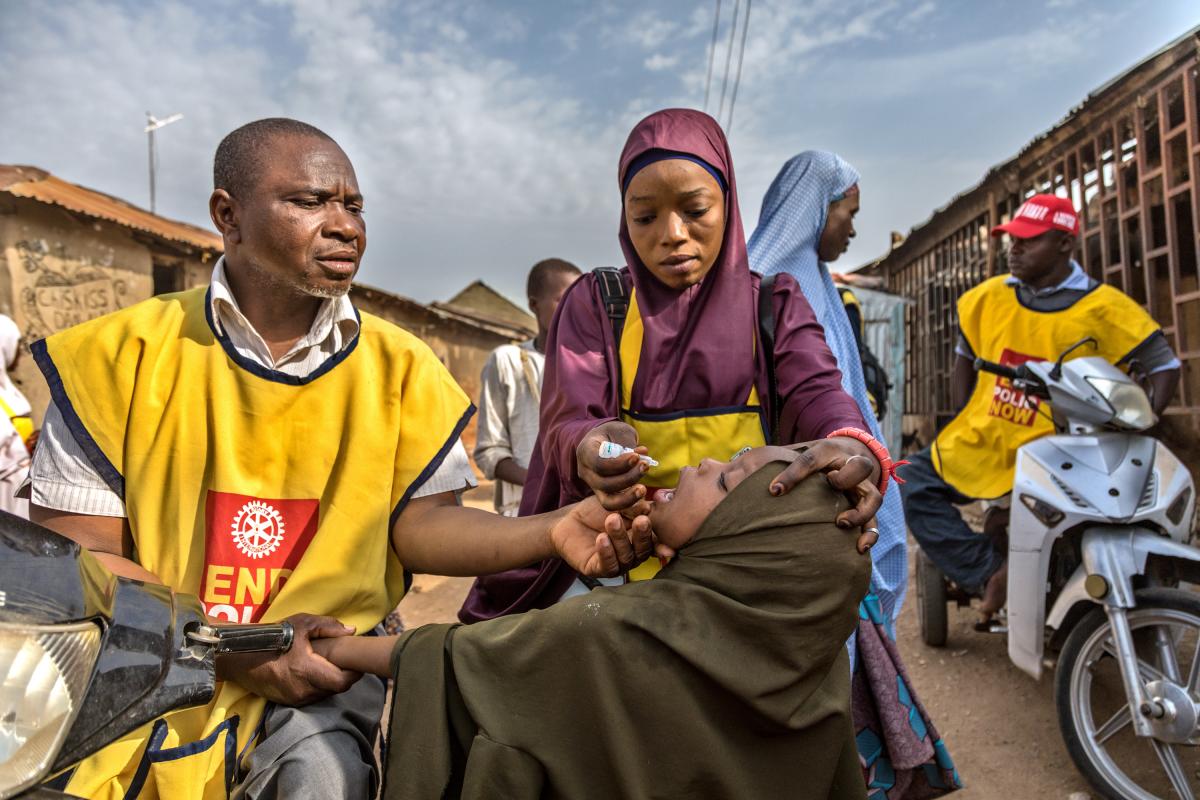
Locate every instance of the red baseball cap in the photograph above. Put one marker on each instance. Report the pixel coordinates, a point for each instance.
(1041, 213)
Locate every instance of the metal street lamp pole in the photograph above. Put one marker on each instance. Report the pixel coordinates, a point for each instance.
(153, 124)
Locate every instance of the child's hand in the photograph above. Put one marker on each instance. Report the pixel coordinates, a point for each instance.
(324, 648)
(371, 654)
(601, 544)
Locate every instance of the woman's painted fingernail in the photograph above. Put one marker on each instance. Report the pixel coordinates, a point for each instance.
(776, 489)
(843, 524)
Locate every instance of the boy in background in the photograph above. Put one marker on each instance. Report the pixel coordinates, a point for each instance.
(511, 390)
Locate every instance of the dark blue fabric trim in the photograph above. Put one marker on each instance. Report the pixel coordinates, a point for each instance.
(653, 156)
(270, 374)
(198, 746)
(1128, 356)
(766, 427)
(642, 416)
(432, 466)
(252, 740)
(59, 782)
(58, 393)
(154, 755)
(157, 734)
(1028, 307)
(231, 754)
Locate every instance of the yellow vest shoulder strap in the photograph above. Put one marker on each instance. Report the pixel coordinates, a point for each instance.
(113, 345)
(975, 303)
(1124, 321)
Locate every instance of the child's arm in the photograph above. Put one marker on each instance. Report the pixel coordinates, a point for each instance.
(371, 654)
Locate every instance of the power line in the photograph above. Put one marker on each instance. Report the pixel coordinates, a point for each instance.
(712, 50)
(728, 56)
(738, 79)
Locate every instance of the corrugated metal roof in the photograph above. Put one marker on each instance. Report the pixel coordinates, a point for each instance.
(37, 184)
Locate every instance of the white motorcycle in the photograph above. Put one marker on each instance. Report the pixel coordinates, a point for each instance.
(1098, 545)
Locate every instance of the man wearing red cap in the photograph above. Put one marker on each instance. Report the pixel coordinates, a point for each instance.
(1045, 305)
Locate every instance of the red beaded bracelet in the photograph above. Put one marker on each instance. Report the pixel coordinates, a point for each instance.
(887, 467)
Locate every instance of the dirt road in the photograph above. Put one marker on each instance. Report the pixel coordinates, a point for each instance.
(999, 724)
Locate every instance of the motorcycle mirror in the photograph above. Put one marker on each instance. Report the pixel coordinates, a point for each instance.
(1056, 373)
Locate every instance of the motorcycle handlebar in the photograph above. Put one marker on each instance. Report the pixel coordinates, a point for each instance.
(1002, 370)
(260, 638)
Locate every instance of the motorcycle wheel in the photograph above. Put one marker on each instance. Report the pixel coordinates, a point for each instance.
(931, 601)
(1094, 716)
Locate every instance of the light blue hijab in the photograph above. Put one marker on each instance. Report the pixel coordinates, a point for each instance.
(789, 228)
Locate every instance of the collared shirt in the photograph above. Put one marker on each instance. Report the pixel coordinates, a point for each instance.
(1076, 281)
(1154, 354)
(61, 476)
(336, 324)
(509, 401)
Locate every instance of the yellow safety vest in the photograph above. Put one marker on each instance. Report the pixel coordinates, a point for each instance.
(22, 422)
(263, 494)
(976, 452)
(682, 438)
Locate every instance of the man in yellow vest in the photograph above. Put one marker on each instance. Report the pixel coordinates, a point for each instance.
(1045, 305)
(264, 445)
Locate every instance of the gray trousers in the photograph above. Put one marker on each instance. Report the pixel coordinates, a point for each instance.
(322, 750)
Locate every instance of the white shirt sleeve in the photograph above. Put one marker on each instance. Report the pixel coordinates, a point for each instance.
(492, 441)
(62, 478)
(454, 474)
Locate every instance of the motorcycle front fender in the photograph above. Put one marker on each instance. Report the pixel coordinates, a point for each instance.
(1072, 594)
(1119, 553)
(1116, 553)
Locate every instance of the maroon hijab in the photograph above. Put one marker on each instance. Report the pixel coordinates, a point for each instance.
(689, 361)
(698, 351)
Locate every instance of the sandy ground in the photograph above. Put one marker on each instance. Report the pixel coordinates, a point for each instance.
(998, 723)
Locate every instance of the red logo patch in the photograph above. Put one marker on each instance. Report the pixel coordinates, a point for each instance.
(1008, 402)
(251, 546)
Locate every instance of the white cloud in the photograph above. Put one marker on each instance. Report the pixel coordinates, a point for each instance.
(486, 135)
(650, 30)
(455, 150)
(919, 13)
(659, 62)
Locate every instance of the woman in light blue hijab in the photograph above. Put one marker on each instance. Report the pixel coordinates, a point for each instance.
(792, 227)
(807, 219)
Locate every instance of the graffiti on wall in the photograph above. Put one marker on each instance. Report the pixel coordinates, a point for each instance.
(65, 289)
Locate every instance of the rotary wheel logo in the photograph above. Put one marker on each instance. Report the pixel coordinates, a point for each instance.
(257, 529)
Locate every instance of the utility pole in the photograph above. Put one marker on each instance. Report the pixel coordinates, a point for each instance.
(153, 124)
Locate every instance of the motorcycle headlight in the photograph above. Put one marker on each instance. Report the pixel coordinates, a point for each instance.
(44, 671)
(1131, 408)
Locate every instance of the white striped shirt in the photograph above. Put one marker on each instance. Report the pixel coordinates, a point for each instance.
(510, 390)
(61, 476)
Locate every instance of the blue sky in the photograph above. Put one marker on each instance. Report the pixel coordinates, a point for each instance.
(486, 135)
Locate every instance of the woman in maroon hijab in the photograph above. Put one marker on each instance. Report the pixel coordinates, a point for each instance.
(688, 378)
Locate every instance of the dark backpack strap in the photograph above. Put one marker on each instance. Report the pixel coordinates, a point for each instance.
(616, 305)
(766, 333)
(614, 297)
